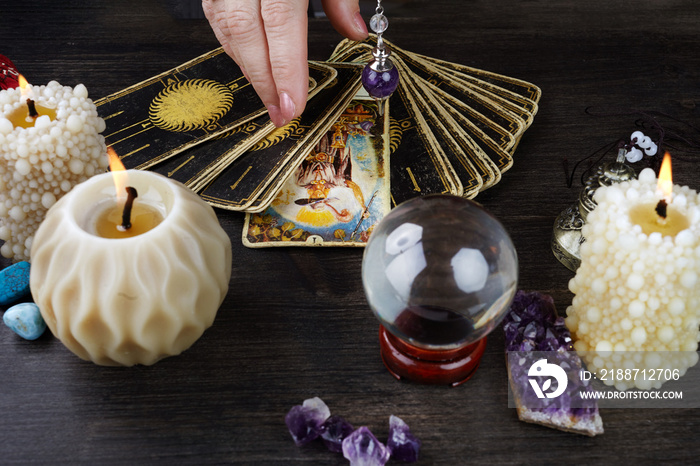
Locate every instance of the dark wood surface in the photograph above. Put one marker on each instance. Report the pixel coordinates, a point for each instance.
(295, 323)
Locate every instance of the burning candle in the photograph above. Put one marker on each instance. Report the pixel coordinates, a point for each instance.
(637, 299)
(136, 298)
(115, 217)
(49, 142)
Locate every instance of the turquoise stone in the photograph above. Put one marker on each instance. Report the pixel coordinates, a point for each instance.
(25, 320)
(14, 283)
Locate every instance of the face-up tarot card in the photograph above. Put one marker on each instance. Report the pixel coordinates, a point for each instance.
(428, 157)
(330, 175)
(252, 180)
(340, 190)
(483, 112)
(183, 107)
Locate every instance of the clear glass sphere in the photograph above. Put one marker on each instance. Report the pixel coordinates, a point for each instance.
(439, 272)
(378, 23)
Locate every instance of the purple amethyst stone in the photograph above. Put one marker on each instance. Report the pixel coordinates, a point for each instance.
(380, 84)
(363, 449)
(334, 431)
(402, 444)
(304, 421)
(532, 325)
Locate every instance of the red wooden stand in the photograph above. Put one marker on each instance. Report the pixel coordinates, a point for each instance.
(438, 367)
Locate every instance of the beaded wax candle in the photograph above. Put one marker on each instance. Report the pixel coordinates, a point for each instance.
(637, 299)
(49, 142)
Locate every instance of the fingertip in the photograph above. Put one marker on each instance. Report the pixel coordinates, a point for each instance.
(287, 107)
(346, 18)
(276, 116)
(360, 26)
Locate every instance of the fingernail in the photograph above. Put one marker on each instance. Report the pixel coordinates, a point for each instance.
(360, 24)
(288, 107)
(276, 116)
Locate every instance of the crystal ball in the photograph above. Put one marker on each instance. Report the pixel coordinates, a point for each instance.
(439, 272)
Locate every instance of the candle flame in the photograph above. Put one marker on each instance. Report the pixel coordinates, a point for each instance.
(118, 173)
(665, 183)
(23, 85)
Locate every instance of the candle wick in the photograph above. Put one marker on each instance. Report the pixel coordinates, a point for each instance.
(661, 209)
(32, 108)
(131, 194)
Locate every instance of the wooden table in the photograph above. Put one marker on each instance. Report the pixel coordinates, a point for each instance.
(295, 323)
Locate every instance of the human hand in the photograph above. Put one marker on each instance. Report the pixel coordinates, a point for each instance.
(267, 39)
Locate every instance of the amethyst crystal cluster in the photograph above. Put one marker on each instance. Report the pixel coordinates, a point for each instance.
(312, 420)
(534, 332)
(532, 324)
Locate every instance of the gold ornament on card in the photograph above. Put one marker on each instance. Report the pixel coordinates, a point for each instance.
(190, 105)
(279, 134)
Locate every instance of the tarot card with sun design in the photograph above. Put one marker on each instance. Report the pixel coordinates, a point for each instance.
(151, 121)
(338, 193)
(246, 183)
(200, 165)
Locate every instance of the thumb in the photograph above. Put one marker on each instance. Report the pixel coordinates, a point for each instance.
(345, 17)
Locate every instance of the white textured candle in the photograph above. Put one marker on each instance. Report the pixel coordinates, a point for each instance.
(132, 300)
(40, 163)
(638, 287)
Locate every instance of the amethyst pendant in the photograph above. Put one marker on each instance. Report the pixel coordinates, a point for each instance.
(380, 84)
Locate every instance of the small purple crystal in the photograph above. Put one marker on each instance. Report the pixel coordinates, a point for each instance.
(363, 449)
(380, 84)
(304, 421)
(334, 431)
(402, 444)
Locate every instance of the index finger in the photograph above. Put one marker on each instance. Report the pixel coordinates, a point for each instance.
(285, 23)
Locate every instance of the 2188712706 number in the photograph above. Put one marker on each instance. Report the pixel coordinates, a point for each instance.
(634, 374)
